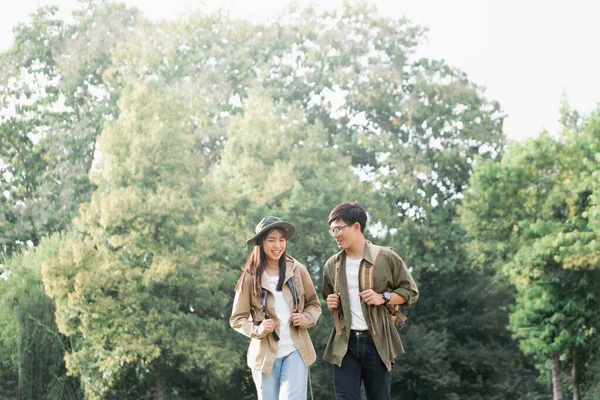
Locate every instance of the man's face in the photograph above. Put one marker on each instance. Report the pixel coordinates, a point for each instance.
(274, 245)
(344, 234)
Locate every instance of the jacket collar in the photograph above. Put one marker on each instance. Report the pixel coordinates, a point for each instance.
(290, 267)
(368, 253)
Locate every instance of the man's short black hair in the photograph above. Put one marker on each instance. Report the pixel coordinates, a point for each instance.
(350, 213)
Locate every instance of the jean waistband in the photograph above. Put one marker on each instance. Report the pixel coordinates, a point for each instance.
(359, 333)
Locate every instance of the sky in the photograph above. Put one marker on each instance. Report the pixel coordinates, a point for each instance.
(526, 53)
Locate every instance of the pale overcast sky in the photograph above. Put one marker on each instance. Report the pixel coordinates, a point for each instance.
(525, 52)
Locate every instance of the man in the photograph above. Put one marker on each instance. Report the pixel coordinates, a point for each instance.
(365, 342)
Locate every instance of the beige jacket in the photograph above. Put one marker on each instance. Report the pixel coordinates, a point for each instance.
(263, 348)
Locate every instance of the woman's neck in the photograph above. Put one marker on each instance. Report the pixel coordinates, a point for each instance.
(272, 270)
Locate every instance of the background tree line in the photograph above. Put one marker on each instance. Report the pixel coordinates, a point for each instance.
(137, 156)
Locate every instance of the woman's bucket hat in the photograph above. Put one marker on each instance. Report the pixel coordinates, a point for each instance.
(268, 223)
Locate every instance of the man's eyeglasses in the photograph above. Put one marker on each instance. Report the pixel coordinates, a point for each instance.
(337, 230)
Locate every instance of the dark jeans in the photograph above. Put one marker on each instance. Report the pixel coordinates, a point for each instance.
(361, 364)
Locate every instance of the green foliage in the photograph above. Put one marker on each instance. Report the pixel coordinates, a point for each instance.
(532, 217)
(28, 100)
(54, 101)
(9, 365)
(274, 163)
(29, 333)
(127, 290)
(168, 141)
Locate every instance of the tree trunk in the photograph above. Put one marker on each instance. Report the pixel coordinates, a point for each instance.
(159, 393)
(574, 371)
(556, 385)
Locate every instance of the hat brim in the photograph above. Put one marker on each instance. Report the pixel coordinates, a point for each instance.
(289, 231)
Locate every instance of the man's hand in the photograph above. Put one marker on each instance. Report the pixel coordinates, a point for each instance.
(371, 298)
(333, 302)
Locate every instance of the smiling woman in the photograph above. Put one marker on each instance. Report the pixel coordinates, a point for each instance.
(275, 303)
(274, 247)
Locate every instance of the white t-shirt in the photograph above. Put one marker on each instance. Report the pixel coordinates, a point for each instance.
(358, 322)
(285, 344)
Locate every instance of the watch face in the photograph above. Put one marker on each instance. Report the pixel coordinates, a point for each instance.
(387, 296)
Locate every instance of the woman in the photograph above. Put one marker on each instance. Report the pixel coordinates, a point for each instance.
(275, 303)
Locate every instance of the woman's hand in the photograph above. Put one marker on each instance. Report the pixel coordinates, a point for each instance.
(268, 325)
(296, 318)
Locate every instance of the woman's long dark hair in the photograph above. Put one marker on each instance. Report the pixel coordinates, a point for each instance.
(257, 262)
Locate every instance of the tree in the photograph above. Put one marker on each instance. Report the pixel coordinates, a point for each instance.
(129, 289)
(30, 332)
(532, 218)
(9, 370)
(30, 104)
(274, 163)
(288, 118)
(410, 128)
(54, 101)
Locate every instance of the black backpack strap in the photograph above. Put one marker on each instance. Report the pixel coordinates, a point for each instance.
(263, 305)
(292, 285)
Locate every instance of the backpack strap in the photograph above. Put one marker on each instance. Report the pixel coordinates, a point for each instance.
(365, 281)
(396, 316)
(292, 285)
(366, 276)
(336, 290)
(263, 304)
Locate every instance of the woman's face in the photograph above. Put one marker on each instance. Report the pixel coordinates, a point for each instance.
(274, 245)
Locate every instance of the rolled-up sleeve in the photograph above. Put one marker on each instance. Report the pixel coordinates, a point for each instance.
(327, 284)
(240, 314)
(404, 283)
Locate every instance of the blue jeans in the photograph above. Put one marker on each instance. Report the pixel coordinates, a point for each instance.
(361, 364)
(287, 380)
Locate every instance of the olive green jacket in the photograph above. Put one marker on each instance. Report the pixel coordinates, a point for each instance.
(391, 275)
(263, 348)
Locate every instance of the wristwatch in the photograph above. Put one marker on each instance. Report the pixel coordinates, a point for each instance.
(387, 296)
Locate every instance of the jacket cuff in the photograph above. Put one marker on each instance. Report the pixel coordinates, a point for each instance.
(407, 294)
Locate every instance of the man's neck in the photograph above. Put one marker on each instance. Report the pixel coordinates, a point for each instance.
(356, 250)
